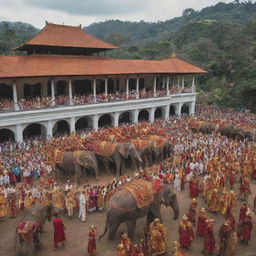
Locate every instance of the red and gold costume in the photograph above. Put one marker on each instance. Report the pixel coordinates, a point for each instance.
(224, 200)
(186, 233)
(12, 206)
(125, 240)
(177, 251)
(157, 238)
(193, 187)
(209, 241)
(246, 228)
(244, 208)
(192, 212)
(3, 207)
(91, 249)
(120, 250)
(201, 223)
(224, 233)
(213, 202)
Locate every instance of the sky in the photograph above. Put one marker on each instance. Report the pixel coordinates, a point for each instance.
(85, 12)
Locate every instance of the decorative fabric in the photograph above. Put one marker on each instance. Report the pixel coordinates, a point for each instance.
(141, 190)
(58, 156)
(77, 157)
(141, 144)
(159, 141)
(26, 230)
(104, 148)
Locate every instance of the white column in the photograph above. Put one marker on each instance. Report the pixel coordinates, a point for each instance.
(72, 125)
(70, 92)
(192, 108)
(127, 88)
(137, 88)
(167, 112)
(94, 89)
(135, 115)
(95, 121)
(154, 90)
(53, 92)
(15, 98)
(116, 118)
(178, 109)
(152, 115)
(106, 86)
(178, 83)
(183, 82)
(168, 85)
(49, 129)
(193, 85)
(19, 136)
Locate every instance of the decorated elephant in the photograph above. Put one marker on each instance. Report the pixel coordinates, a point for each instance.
(163, 148)
(29, 230)
(76, 163)
(146, 149)
(137, 199)
(232, 131)
(202, 126)
(119, 154)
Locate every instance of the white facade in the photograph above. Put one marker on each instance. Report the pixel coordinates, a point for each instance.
(17, 121)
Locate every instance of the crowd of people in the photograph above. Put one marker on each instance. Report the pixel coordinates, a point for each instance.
(7, 104)
(211, 165)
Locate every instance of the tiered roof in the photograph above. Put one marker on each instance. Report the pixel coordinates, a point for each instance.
(69, 37)
(53, 35)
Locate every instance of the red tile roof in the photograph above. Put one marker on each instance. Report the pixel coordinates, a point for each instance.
(65, 36)
(53, 65)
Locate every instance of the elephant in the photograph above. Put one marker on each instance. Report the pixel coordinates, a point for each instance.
(202, 126)
(74, 163)
(122, 207)
(146, 150)
(120, 154)
(27, 243)
(228, 130)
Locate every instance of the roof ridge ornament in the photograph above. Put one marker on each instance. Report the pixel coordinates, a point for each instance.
(173, 55)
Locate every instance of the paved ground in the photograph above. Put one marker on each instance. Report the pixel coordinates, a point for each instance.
(77, 232)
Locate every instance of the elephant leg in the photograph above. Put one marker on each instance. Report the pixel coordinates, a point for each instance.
(131, 224)
(112, 231)
(118, 167)
(155, 211)
(78, 173)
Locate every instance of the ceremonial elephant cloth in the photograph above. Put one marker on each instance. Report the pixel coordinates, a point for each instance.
(141, 190)
(58, 156)
(141, 144)
(159, 142)
(104, 148)
(26, 230)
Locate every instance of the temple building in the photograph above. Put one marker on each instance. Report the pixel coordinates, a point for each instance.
(64, 83)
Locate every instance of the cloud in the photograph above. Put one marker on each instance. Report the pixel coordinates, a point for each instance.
(85, 12)
(91, 7)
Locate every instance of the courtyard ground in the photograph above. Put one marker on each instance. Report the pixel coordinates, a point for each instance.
(77, 232)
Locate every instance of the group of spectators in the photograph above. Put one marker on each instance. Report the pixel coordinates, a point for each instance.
(7, 105)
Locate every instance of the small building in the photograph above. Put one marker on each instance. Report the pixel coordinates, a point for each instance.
(63, 83)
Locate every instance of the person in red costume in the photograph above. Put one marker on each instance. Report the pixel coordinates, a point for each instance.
(209, 240)
(92, 241)
(246, 228)
(186, 233)
(244, 208)
(224, 233)
(59, 230)
(201, 223)
(192, 212)
(193, 187)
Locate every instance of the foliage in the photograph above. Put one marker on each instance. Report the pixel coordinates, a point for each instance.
(219, 38)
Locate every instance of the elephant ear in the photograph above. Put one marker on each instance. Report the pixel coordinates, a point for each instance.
(124, 152)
